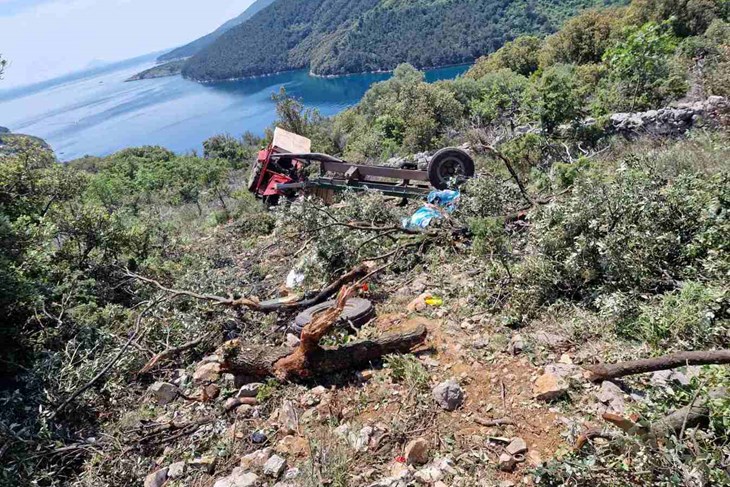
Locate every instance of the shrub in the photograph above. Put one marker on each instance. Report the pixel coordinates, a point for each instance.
(583, 39)
(555, 97)
(519, 56)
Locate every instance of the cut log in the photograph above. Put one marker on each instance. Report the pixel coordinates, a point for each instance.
(611, 371)
(290, 364)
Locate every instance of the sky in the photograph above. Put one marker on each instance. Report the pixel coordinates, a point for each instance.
(44, 39)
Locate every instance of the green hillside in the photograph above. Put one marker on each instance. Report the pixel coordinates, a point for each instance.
(347, 36)
(199, 44)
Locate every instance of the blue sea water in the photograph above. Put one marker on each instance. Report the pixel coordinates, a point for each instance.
(98, 113)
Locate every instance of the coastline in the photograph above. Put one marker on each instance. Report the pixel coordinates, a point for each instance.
(323, 76)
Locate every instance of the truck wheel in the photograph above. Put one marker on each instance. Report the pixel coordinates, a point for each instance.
(449, 164)
(357, 312)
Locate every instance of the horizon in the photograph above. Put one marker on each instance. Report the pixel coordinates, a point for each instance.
(44, 40)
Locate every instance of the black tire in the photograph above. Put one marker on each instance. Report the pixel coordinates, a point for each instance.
(447, 164)
(357, 312)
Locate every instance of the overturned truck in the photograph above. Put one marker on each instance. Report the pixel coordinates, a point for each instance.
(284, 169)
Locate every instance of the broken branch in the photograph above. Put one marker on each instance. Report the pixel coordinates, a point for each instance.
(611, 371)
(172, 351)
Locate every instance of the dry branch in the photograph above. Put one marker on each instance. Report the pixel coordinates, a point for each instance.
(169, 352)
(254, 303)
(611, 371)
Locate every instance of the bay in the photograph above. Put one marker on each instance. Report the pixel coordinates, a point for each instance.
(99, 113)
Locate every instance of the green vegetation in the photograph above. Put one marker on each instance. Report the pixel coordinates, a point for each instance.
(348, 36)
(621, 244)
(171, 68)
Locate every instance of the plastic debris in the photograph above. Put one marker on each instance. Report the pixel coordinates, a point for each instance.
(439, 203)
(434, 301)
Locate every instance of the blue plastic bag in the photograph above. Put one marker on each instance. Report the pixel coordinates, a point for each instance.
(438, 201)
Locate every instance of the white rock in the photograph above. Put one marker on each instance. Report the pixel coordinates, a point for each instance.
(516, 446)
(416, 452)
(275, 466)
(208, 372)
(250, 390)
(176, 470)
(257, 459)
(238, 478)
(163, 392)
(288, 420)
(428, 475)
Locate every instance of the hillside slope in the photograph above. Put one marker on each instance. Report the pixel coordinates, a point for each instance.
(199, 44)
(347, 36)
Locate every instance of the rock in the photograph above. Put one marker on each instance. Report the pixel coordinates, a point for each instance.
(258, 437)
(292, 446)
(238, 478)
(156, 479)
(206, 373)
(163, 392)
(250, 390)
(449, 395)
(549, 340)
(275, 466)
(288, 420)
(480, 343)
(176, 470)
(516, 345)
(360, 441)
(313, 397)
(612, 397)
(549, 386)
(256, 460)
(506, 483)
(506, 462)
(416, 452)
(210, 392)
(206, 462)
(419, 304)
(565, 371)
(292, 473)
(516, 446)
(292, 341)
(342, 431)
(428, 475)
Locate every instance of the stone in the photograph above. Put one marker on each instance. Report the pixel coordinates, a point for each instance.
(292, 446)
(506, 462)
(292, 341)
(428, 475)
(288, 420)
(612, 397)
(256, 460)
(549, 340)
(275, 466)
(210, 392)
(206, 373)
(516, 446)
(291, 473)
(361, 440)
(516, 345)
(565, 371)
(176, 470)
(156, 479)
(419, 304)
(549, 386)
(416, 452)
(250, 390)
(314, 396)
(206, 462)
(449, 395)
(163, 392)
(238, 478)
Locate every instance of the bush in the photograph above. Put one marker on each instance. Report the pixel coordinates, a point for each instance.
(583, 39)
(555, 97)
(519, 56)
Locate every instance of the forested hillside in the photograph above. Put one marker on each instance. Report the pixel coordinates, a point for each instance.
(199, 44)
(348, 36)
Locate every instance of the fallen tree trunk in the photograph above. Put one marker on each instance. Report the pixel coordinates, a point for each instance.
(288, 364)
(611, 371)
(309, 359)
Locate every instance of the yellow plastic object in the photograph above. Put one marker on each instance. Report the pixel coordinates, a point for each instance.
(434, 301)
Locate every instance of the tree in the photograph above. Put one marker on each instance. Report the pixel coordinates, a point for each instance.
(556, 97)
(519, 55)
(687, 17)
(641, 67)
